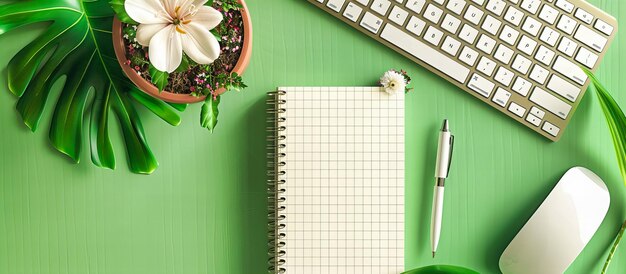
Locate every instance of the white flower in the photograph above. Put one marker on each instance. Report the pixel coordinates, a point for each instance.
(393, 82)
(170, 27)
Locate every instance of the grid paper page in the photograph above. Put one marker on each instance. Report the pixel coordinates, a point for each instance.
(344, 181)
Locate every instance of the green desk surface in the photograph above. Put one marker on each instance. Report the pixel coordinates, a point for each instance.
(204, 209)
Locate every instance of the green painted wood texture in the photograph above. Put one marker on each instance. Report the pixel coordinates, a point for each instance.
(203, 210)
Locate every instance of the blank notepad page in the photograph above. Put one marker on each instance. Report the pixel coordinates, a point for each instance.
(344, 185)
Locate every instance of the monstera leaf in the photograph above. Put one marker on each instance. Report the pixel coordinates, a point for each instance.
(77, 43)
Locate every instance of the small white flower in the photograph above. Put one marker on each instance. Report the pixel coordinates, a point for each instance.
(393, 82)
(171, 27)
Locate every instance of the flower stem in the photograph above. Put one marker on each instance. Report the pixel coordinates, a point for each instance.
(618, 239)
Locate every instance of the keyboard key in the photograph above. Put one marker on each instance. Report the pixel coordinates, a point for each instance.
(381, 6)
(486, 44)
(504, 54)
(531, 26)
(451, 23)
(549, 36)
(468, 56)
(496, 6)
(527, 45)
(398, 15)
(517, 109)
(566, 24)
(363, 2)
(537, 112)
(473, 15)
(514, 16)
(550, 102)
(336, 5)
(567, 46)
(433, 36)
(563, 88)
(531, 5)
(416, 25)
(521, 64)
(544, 55)
(590, 38)
(352, 12)
(604, 27)
(501, 97)
(539, 74)
(486, 66)
(468, 34)
(570, 70)
(491, 25)
(416, 5)
(451, 46)
(425, 53)
(551, 129)
(564, 5)
(587, 58)
(504, 76)
(481, 85)
(433, 14)
(584, 16)
(456, 6)
(548, 14)
(371, 22)
(521, 86)
(534, 120)
(509, 35)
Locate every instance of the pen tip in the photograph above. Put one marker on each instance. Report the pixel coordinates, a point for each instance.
(445, 126)
(433, 254)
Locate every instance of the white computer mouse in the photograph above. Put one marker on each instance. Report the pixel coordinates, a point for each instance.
(561, 227)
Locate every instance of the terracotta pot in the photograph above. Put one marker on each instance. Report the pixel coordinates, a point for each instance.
(149, 88)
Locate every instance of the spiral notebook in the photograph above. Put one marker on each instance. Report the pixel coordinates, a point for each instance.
(336, 180)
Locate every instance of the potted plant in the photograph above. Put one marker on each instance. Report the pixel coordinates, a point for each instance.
(184, 51)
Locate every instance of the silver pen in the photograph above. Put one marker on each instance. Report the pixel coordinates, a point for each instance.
(444, 157)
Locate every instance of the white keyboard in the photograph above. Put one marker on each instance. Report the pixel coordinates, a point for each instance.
(522, 57)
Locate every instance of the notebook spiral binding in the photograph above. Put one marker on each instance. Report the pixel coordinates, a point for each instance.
(276, 181)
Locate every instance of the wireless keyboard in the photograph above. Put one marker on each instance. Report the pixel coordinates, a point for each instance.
(522, 57)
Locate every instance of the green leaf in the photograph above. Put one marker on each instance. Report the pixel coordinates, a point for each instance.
(208, 117)
(441, 269)
(615, 119)
(216, 35)
(158, 107)
(184, 64)
(120, 11)
(179, 107)
(159, 78)
(77, 44)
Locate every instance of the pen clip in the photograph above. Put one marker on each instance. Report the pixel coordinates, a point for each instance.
(450, 154)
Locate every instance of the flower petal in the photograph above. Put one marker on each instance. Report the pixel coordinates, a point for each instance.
(145, 32)
(200, 44)
(190, 7)
(166, 50)
(208, 17)
(147, 11)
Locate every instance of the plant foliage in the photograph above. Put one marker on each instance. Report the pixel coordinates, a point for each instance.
(616, 121)
(77, 43)
(208, 116)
